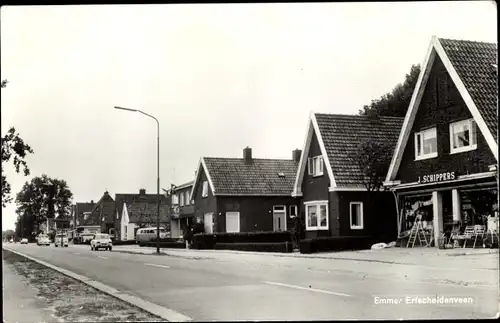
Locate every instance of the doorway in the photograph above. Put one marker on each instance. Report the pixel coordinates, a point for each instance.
(279, 218)
(209, 222)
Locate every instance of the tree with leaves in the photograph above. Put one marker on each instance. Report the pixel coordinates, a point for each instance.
(372, 159)
(395, 103)
(13, 147)
(44, 198)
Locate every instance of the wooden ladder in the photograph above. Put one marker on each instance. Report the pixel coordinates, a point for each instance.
(417, 232)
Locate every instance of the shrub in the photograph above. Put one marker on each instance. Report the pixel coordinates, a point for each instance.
(178, 245)
(124, 242)
(256, 246)
(335, 244)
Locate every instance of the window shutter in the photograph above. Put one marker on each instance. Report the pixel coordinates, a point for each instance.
(310, 165)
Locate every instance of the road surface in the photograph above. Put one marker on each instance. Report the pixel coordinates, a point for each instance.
(280, 289)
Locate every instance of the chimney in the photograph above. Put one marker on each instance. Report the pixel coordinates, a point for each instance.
(296, 155)
(247, 155)
(91, 201)
(142, 191)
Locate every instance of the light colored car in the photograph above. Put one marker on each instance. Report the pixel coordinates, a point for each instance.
(57, 240)
(101, 241)
(43, 240)
(24, 241)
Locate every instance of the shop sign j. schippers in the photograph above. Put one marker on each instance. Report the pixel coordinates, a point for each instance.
(434, 178)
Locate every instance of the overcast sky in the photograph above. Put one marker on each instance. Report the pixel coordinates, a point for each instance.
(219, 77)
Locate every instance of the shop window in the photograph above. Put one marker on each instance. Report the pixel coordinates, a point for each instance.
(356, 215)
(478, 205)
(463, 136)
(426, 144)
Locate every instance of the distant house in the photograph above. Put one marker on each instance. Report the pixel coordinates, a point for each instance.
(134, 211)
(102, 214)
(182, 207)
(81, 211)
(245, 194)
(330, 182)
(444, 168)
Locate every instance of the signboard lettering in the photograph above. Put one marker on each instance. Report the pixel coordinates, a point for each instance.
(433, 178)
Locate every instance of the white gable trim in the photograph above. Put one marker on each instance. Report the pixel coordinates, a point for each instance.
(411, 113)
(312, 127)
(435, 48)
(202, 165)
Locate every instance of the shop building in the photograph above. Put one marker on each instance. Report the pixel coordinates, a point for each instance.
(182, 209)
(444, 168)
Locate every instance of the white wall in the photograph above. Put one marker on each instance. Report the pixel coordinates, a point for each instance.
(130, 231)
(175, 230)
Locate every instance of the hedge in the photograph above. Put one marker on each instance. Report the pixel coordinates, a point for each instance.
(208, 241)
(124, 242)
(256, 246)
(167, 240)
(335, 244)
(178, 245)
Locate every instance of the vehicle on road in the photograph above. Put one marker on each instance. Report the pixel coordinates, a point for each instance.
(58, 238)
(11, 241)
(24, 241)
(43, 240)
(148, 234)
(101, 241)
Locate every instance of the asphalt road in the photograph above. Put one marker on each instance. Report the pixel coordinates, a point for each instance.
(242, 289)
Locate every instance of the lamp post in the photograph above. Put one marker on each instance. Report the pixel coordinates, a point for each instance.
(157, 171)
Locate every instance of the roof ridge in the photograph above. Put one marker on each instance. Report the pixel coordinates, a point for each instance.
(468, 41)
(253, 158)
(355, 115)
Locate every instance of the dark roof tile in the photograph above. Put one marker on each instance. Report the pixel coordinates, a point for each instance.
(342, 135)
(473, 62)
(233, 176)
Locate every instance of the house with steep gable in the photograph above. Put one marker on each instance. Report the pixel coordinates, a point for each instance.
(102, 215)
(444, 168)
(134, 211)
(245, 194)
(334, 195)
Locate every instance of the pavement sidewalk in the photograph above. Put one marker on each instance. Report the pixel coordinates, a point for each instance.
(413, 256)
(20, 301)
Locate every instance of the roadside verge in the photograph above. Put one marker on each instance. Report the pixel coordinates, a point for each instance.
(152, 308)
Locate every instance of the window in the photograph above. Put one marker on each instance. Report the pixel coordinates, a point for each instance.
(175, 199)
(182, 199)
(316, 215)
(462, 136)
(356, 210)
(293, 211)
(204, 193)
(232, 221)
(315, 165)
(426, 144)
(187, 198)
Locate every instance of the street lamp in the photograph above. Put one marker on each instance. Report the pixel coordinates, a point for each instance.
(157, 171)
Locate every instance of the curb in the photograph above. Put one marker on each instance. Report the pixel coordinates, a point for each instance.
(152, 308)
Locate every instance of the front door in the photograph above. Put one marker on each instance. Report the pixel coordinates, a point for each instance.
(209, 222)
(279, 218)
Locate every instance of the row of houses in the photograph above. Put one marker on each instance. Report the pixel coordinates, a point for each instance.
(444, 161)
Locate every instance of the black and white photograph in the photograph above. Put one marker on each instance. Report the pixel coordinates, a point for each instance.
(295, 161)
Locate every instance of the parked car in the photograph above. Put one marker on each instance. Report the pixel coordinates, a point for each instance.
(24, 241)
(101, 241)
(147, 234)
(42, 240)
(57, 240)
